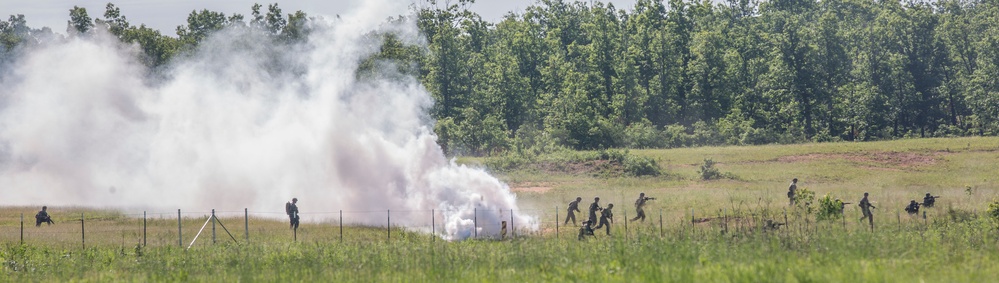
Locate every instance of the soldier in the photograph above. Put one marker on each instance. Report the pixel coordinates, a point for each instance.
(43, 217)
(865, 207)
(928, 200)
(606, 218)
(913, 207)
(292, 209)
(842, 205)
(640, 207)
(792, 190)
(594, 207)
(573, 206)
(585, 230)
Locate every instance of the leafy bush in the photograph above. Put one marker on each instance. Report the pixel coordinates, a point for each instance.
(633, 165)
(803, 200)
(829, 208)
(708, 170)
(641, 166)
(993, 210)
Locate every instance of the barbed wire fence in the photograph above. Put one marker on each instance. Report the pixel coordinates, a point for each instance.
(186, 229)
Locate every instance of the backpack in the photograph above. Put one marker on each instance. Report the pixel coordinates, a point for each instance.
(287, 208)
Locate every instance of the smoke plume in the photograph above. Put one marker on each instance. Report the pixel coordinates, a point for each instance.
(239, 123)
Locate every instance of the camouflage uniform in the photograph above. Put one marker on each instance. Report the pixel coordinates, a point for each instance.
(594, 207)
(865, 207)
(792, 190)
(292, 209)
(43, 217)
(573, 207)
(640, 207)
(928, 200)
(913, 207)
(585, 230)
(606, 218)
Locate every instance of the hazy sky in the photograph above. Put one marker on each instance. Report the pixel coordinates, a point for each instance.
(166, 15)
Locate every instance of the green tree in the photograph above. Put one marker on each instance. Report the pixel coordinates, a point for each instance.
(79, 22)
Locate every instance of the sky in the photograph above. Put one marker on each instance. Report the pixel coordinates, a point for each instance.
(166, 15)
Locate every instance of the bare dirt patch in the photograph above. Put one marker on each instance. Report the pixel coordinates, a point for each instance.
(882, 158)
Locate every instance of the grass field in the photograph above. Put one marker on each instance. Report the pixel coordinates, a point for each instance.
(697, 230)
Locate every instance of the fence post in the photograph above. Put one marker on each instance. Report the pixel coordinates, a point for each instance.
(180, 234)
(433, 226)
(475, 223)
(246, 223)
(22, 228)
(143, 228)
(83, 231)
(625, 224)
(341, 225)
(660, 223)
(786, 225)
(213, 225)
(556, 222)
(898, 217)
(844, 220)
(389, 227)
(513, 229)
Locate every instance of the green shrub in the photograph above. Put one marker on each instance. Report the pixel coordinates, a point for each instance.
(708, 170)
(993, 210)
(803, 200)
(829, 208)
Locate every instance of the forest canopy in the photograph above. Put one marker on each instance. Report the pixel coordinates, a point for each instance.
(566, 74)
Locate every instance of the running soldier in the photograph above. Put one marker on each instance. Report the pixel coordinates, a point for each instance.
(640, 207)
(573, 207)
(606, 218)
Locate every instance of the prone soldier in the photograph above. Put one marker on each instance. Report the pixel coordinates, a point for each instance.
(573, 207)
(43, 217)
(640, 206)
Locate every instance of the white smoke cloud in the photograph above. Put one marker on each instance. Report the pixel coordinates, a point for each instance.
(239, 123)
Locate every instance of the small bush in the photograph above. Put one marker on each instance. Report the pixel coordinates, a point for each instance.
(641, 166)
(803, 200)
(708, 170)
(829, 208)
(993, 210)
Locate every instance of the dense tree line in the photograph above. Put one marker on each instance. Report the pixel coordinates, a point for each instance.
(664, 74)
